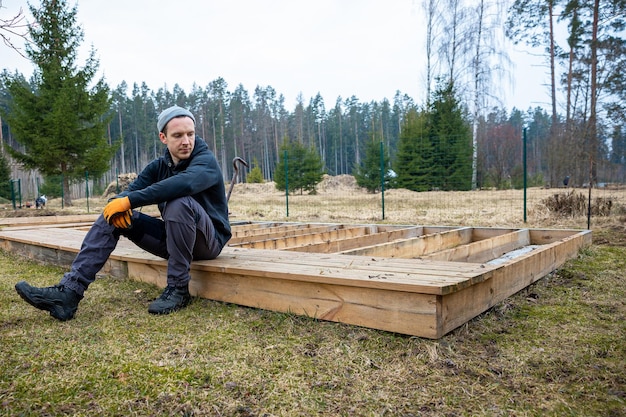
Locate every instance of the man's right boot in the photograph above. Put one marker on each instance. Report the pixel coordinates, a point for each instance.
(61, 302)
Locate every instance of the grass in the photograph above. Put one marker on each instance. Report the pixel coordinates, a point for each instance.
(557, 348)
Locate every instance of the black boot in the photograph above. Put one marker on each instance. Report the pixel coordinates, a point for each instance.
(61, 302)
(172, 299)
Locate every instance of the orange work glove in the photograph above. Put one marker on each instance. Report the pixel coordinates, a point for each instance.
(122, 220)
(115, 206)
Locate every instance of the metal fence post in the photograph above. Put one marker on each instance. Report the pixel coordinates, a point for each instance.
(286, 182)
(525, 172)
(87, 189)
(382, 176)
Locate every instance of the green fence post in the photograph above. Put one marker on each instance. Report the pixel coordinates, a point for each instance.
(11, 182)
(286, 182)
(525, 172)
(382, 176)
(87, 189)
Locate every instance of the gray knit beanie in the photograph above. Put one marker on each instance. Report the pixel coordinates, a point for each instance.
(171, 112)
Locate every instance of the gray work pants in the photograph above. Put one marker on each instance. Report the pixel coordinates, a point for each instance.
(185, 234)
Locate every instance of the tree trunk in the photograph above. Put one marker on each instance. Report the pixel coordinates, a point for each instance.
(552, 66)
(67, 196)
(592, 130)
(119, 116)
(477, 95)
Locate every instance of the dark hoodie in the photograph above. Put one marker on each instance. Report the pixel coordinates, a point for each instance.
(198, 176)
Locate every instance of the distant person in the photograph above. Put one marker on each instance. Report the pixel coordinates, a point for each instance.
(566, 181)
(40, 202)
(187, 185)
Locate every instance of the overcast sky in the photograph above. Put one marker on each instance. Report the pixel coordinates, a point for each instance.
(366, 48)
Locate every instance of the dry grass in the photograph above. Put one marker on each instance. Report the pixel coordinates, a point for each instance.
(557, 348)
(340, 200)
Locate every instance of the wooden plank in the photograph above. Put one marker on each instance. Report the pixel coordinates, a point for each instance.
(276, 233)
(395, 311)
(47, 226)
(546, 236)
(47, 220)
(357, 241)
(306, 239)
(428, 242)
(251, 229)
(482, 233)
(484, 250)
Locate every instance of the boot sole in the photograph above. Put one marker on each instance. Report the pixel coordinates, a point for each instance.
(169, 310)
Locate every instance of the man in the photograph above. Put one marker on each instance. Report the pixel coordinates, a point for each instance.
(186, 183)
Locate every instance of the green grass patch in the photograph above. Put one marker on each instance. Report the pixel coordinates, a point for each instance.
(557, 348)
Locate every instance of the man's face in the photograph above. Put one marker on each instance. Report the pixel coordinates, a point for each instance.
(180, 138)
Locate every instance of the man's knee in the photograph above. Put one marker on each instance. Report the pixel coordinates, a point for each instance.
(180, 210)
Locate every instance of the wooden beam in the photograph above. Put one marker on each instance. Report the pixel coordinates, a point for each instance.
(47, 220)
(484, 250)
(302, 240)
(369, 237)
(395, 311)
(426, 243)
(276, 233)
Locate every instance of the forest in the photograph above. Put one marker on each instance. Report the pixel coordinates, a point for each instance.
(460, 137)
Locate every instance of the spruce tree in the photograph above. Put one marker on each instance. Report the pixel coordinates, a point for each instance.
(255, 176)
(304, 166)
(452, 141)
(59, 117)
(367, 174)
(414, 160)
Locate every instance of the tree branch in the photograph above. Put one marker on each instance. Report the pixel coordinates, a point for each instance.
(15, 26)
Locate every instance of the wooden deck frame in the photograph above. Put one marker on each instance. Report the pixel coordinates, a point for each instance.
(417, 280)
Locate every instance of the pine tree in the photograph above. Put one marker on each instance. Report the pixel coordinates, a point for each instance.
(59, 117)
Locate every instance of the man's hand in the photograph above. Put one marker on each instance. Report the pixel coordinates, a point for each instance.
(122, 220)
(115, 207)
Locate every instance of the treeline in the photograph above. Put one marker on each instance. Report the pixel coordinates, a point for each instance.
(455, 139)
(254, 127)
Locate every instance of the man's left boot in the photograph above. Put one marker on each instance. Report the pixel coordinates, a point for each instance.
(172, 299)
